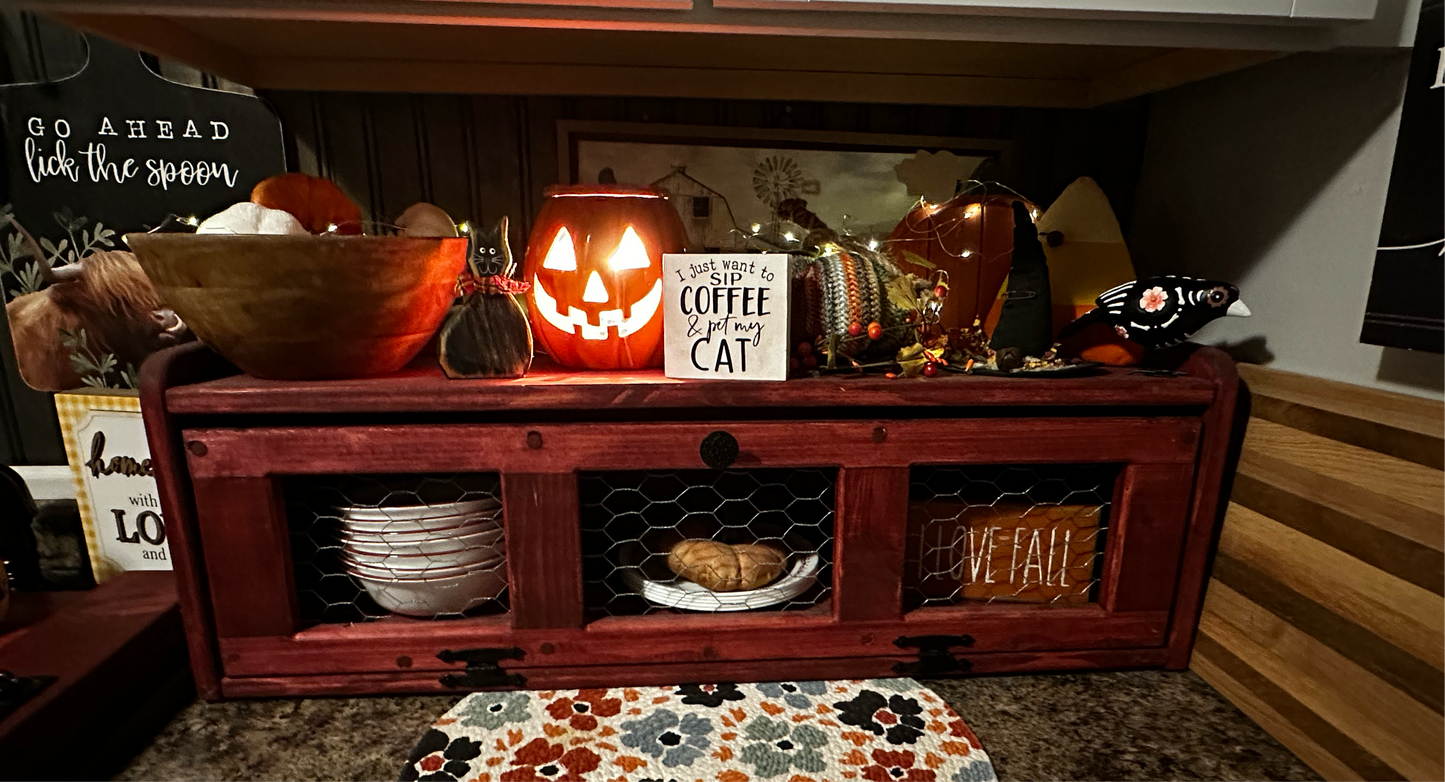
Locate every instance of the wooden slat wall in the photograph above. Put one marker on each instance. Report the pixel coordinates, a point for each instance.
(1324, 619)
(482, 156)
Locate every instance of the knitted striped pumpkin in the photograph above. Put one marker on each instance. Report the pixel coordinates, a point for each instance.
(845, 286)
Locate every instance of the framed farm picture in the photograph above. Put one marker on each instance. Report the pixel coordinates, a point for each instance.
(727, 182)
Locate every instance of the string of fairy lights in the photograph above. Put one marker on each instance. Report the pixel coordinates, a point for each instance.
(787, 236)
(784, 235)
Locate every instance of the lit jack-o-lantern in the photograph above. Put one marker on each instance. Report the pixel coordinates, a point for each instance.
(595, 264)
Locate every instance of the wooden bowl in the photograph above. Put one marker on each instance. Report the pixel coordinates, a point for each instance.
(306, 307)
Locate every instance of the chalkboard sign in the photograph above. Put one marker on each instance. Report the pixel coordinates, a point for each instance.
(113, 149)
(118, 145)
(725, 316)
(1406, 308)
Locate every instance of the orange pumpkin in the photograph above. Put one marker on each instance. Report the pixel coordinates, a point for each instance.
(1099, 342)
(317, 203)
(971, 238)
(594, 260)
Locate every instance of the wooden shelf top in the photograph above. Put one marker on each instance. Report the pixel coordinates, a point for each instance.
(423, 389)
(875, 52)
(116, 647)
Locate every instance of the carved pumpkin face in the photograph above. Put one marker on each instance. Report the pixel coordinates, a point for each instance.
(595, 264)
(971, 237)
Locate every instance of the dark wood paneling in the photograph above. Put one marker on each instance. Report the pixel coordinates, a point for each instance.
(481, 156)
(499, 169)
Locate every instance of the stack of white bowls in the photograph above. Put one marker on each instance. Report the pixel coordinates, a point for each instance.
(426, 560)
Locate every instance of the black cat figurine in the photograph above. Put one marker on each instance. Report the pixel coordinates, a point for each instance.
(487, 334)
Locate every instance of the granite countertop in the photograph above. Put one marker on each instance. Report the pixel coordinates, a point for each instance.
(1141, 725)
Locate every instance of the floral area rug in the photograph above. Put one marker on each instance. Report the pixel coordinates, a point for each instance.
(881, 730)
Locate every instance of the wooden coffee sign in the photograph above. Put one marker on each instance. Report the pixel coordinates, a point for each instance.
(725, 316)
(123, 147)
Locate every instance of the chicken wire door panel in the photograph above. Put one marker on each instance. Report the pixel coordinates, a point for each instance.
(366, 547)
(1007, 533)
(706, 541)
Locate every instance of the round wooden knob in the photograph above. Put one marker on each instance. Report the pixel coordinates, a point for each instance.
(719, 450)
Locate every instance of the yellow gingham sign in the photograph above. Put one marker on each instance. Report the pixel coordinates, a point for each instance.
(114, 486)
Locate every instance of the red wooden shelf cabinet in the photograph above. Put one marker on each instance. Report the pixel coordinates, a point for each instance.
(227, 447)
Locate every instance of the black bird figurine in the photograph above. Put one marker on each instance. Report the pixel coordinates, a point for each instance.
(1161, 311)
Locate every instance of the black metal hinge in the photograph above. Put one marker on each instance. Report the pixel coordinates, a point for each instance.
(16, 690)
(483, 667)
(934, 657)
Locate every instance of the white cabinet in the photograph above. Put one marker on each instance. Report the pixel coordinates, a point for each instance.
(1066, 53)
